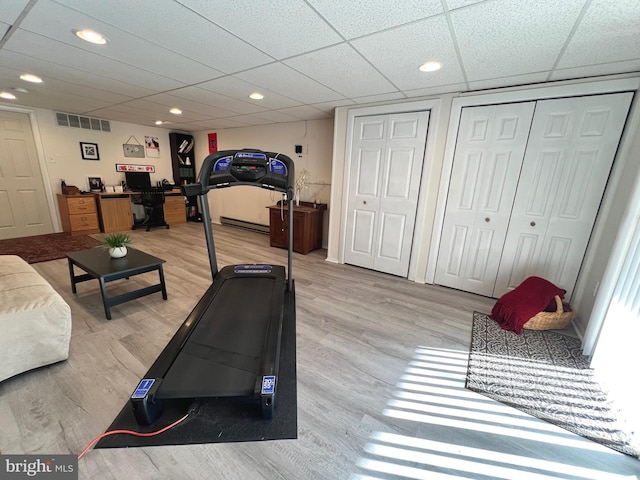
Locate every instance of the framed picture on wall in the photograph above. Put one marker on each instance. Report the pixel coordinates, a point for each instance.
(89, 151)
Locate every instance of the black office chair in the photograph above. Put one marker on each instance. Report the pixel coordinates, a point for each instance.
(153, 203)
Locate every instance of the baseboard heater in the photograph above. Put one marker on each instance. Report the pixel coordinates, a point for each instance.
(254, 227)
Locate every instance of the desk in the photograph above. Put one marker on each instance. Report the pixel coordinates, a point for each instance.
(116, 214)
(307, 226)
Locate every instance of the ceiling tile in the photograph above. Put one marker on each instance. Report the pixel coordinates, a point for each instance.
(355, 18)
(281, 29)
(454, 4)
(331, 106)
(35, 46)
(11, 10)
(250, 120)
(617, 23)
(216, 123)
(4, 28)
(342, 69)
(187, 106)
(509, 81)
(207, 97)
(423, 92)
(593, 70)
(399, 52)
(159, 111)
(379, 98)
(287, 82)
(510, 37)
(51, 20)
(306, 56)
(52, 71)
(275, 116)
(178, 29)
(236, 88)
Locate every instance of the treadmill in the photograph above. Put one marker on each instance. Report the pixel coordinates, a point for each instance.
(229, 345)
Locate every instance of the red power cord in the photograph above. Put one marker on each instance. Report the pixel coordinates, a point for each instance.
(130, 432)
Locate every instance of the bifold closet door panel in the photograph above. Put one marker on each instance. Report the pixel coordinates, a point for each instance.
(571, 148)
(384, 181)
(487, 161)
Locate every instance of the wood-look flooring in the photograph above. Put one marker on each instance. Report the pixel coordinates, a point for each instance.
(381, 368)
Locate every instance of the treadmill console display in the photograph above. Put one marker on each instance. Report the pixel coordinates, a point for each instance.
(250, 167)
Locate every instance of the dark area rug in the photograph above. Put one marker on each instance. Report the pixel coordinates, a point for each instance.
(223, 420)
(544, 374)
(42, 248)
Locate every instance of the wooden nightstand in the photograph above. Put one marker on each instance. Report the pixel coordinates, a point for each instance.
(78, 214)
(307, 226)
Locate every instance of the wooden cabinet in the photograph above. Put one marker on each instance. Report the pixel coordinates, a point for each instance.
(78, 214)
(115, 212)
(175, 211)
(307, 226)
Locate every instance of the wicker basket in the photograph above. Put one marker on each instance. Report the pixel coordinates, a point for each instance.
(551, 320)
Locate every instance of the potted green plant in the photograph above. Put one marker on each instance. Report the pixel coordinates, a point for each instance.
(116, 243)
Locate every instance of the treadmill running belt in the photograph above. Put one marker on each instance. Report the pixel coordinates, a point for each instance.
(222, 355)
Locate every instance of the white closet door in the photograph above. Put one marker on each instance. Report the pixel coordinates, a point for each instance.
(487, 161)
(572, 145)
(385, 170)
(24, 210)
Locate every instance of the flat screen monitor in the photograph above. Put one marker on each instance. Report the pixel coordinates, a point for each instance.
(137, 181)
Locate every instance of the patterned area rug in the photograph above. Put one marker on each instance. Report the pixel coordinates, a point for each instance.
(544, 374)
(42, 248)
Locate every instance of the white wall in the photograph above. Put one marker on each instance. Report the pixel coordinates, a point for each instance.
(249, 204)
(61, 148)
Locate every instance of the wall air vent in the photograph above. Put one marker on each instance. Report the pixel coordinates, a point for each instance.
(77, 121)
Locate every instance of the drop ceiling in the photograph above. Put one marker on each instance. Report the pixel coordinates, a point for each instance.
(305, 56)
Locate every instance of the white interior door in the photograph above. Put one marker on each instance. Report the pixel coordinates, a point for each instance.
(24, 210)
(384, 181)
(572, 145)
(487, 161)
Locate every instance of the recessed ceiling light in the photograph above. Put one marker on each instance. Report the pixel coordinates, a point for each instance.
(175, 111)
(159, 122)
(7, 96)
(29, 77)
(20, 89)
(256, 96)
(430, 67)
(91, 36)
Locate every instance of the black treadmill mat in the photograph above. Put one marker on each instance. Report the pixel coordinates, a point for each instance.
(223, 420)
(228, 340)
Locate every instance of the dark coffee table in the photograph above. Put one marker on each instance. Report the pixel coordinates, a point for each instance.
(99, 265)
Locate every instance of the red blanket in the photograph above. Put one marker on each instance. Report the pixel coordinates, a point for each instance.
(516, 307)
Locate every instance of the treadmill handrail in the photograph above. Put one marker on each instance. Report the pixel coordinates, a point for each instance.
(203, 186)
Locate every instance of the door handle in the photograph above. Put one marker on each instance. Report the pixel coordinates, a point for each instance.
(533, 224)
(487, 219)
(364, 202)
